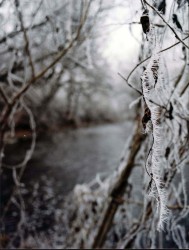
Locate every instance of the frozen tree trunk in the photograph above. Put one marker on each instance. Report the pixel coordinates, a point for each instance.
(117, 192)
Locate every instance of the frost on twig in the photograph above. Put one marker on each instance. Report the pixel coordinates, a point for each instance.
(161, 120)
(150, 84)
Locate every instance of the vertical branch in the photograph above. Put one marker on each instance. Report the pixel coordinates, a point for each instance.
(4, 96)
(184, 89)
(23, 164)
(8, 108)
(117, 192)
(27, 45)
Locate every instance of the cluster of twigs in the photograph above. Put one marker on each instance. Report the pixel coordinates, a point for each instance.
(13, 96)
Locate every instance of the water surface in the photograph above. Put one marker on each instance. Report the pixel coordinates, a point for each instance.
(76, 156)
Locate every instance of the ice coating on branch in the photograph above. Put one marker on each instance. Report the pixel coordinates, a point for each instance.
(149, 82)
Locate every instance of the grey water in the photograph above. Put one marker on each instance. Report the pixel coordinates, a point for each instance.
(76, 156)
(60, 161)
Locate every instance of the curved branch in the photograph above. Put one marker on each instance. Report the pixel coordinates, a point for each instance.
(4, 96)
(184, 89)
(23, 90)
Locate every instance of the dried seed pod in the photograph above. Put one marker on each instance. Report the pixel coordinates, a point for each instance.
(146, 117)
(154, 69)
(176, 21)
(167, 152)
(145, 21)
(171, 111)
(162, 6)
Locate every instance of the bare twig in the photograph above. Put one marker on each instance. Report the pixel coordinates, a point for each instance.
(33, 26)
(14, 33)
(27, 44)
(177, 82)
(142, 4)
(130, 84)
(136, 228)
(8, 108)
(37, 9)
(140, 63)
(2, 2)
(23, 90)
(23, 164)
(5, 98)
(184, 89)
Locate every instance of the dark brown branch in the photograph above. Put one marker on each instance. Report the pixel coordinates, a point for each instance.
(2, 2)
(23, 90)
(33, 27)
(136, 228)
(8, 109)
(14, 33)
(27, 44)
(184, 89)
(116, 195)
(5, 98)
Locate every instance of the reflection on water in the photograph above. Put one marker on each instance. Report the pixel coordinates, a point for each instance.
(60, 161)
(76, 156)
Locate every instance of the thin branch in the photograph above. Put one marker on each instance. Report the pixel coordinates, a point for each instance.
(130, 84)
(14, 33)
(171, 28)
(27, 44)
(9, 107)
(2, 2)
(136, 228)
(23, 164)
(163, 50)
(176, 84)
(140, 63)
(142, 4)
(184, 89)
(37, 9)
(33, 26)
(132, 23)
(5, 98)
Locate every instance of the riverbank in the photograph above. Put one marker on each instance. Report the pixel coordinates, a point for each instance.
(25, 133)
(61, 160)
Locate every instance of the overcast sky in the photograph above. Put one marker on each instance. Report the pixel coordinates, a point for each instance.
(121, 46)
